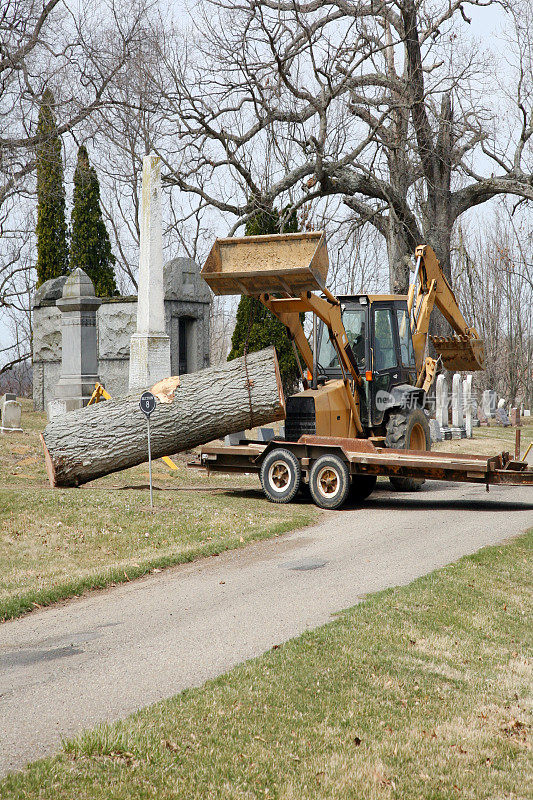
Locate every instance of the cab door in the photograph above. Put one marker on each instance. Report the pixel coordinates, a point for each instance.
(385, 361)
(405, 341)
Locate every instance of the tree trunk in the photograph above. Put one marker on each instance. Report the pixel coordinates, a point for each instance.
(399, 253)
(110, 436)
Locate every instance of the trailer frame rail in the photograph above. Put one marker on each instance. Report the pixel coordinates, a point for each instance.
(364, 458)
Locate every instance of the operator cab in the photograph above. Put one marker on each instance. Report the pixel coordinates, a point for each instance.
(379, 333)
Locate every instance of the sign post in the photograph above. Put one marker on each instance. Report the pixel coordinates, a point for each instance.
(147, 405)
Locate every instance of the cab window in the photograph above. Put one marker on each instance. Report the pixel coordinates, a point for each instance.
(384, 350)
(354, 324)
(406, 343)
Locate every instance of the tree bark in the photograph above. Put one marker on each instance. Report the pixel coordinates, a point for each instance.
(110, 436)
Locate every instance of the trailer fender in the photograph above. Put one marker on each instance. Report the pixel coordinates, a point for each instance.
(302, 450)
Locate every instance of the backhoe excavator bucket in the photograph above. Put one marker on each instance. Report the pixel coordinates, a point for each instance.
(288, 263)
(460, 352)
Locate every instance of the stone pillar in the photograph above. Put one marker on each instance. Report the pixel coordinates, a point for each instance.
(468, 408)
(441, 397)
(79, 360)
(457, 401)
(150, 345)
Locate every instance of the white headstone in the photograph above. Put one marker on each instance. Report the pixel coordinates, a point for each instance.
(502, 402)
(150, 345)
(468, 407)
(435, 430)
(5, 398)
(489, 402)
(441, 397)
(234, 439)
(527, 412)
(56, 408)
(11, 413)
(457, 401)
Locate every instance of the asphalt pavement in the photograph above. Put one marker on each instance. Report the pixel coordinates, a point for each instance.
(103, 656)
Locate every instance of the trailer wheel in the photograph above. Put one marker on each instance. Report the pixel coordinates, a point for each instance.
(280, 476)
(362, 487)
(329, 482)
(408, 430)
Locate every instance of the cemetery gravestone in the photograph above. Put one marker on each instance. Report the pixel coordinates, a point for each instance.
(489, 402)
(457, 401)
(467, 399)
(11, 415)
(79, 361)
(5, 398)
(435, 430)
(441, 398)
(502, 417)
(515, 417)
(150, 345)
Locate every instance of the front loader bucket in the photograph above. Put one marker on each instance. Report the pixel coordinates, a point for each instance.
(460, 352)
(288, 263)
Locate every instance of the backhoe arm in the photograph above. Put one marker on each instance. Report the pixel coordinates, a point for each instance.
(327, 309)
(462, 352)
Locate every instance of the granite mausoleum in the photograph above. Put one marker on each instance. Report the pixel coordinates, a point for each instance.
(187, 305)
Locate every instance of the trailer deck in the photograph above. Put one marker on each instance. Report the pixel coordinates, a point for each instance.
(364, 458)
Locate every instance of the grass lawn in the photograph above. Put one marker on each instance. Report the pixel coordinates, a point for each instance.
(55, 543)
(421, 691)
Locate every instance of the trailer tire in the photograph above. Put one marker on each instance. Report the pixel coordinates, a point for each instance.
(408, 430)
(329, 482)
(280, 476)
(362, 487)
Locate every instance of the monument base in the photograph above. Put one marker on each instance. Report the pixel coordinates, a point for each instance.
(149, 359)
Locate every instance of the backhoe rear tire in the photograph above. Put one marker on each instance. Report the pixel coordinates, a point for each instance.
(408, 430)
(362, 487)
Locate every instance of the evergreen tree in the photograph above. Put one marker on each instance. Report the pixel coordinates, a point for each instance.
(52, 250)
(265, 328)
(90, 247)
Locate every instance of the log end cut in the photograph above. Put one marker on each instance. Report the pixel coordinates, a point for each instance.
(50, 471)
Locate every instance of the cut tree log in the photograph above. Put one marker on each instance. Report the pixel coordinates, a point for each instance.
(196, 408)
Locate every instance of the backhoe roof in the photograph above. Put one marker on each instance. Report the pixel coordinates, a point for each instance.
(372, 298)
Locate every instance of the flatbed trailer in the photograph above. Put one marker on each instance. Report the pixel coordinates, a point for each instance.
(363, 462)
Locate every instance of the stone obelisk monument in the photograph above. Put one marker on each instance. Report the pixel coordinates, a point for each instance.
(150, 345)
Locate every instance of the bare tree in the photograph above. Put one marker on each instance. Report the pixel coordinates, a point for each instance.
(493, 272)
(80, 52)
(379, 103)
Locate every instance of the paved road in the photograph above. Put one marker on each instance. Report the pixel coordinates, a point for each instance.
(103, 656)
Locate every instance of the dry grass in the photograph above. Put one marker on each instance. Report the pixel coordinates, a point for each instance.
(489, 441)
(55, 543)
(421, 692)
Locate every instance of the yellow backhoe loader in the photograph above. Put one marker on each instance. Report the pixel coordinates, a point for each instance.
(366, 374)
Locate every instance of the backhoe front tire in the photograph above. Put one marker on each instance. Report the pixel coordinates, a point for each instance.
(280, 476)
(408, 430)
